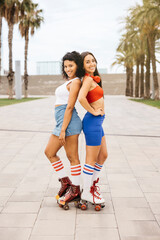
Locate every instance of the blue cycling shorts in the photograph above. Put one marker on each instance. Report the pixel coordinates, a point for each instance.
(92, 128)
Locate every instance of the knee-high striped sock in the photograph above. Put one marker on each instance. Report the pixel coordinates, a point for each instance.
(97, 169)
(87, 176)
(76, 174)
(59, 168)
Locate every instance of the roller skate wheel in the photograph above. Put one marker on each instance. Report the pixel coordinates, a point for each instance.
(103, 205)
(83, 207)
(77, 204)
(66, 207)
(97, 207)
(60, 206)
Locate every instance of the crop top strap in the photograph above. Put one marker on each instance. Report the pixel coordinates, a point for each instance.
(69, 81)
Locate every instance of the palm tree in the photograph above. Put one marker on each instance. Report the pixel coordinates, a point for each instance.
(0, 45)
(148, 22)
(139, 45)
(124, 59)
(140, 51)
(131, 45)
(137, 59)
(146, 59)
(30, 20)
(147, 75)
(1, 15)
(11, 14)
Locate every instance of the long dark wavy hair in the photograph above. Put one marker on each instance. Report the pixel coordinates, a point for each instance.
(96, 73)
(75, 57)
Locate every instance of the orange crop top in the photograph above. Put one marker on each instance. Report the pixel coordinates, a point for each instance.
(94, 94)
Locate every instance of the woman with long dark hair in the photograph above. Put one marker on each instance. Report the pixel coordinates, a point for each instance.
(67, 129)
(92, 99)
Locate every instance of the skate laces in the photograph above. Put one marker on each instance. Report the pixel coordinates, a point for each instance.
(92, 191)
(96, 188)
(70, 190)
(68, 194)
(96, 181)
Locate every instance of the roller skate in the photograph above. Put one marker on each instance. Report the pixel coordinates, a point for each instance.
(91, 197)
(72, 195)
(65, 184)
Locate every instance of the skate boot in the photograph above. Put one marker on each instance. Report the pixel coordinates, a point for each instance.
(93, 198)
(65, 183)
(97, 189)
(73, 194)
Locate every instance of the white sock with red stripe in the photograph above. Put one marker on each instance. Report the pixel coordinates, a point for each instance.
(76, 174)
(97, 169)
(59, 168)
(87, 176)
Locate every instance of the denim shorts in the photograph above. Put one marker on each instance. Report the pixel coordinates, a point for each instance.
(92, 128)
(75, 125)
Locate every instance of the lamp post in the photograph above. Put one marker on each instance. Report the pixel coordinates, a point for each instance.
(18, 81)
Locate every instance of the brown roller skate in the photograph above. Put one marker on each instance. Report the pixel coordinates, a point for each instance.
(72, 195)
(65, 184)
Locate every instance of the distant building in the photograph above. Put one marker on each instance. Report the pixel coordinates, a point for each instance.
(49, 68)
(102, 70)
(54, 68)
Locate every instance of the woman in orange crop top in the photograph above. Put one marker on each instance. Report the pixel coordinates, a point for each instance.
(91, 98)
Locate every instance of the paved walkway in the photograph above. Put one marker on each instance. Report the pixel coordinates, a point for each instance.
(130, 179)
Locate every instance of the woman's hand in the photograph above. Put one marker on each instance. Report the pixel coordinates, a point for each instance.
(98, 112)
(62, 137)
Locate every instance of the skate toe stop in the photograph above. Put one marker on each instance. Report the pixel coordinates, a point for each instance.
(57, 197)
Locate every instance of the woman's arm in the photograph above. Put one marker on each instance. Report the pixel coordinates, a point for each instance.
(73, 94)
(87, 82)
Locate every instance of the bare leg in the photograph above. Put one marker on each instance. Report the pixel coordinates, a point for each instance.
(102, 156)
(52, 148)
(71, 148)
(92, 153)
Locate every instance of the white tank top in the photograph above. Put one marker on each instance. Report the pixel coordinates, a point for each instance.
(62, 93)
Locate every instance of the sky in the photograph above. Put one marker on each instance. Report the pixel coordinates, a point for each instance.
(81, 25)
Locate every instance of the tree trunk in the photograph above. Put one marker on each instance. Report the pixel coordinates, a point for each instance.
(147, 78)
(137, 80)
(142, 77)
(11, 73)
(25, 65)
(131, 81)
(0, 47)
(153, 58)
(127, 81)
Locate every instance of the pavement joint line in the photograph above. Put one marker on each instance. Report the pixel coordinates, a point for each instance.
(107, 134)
